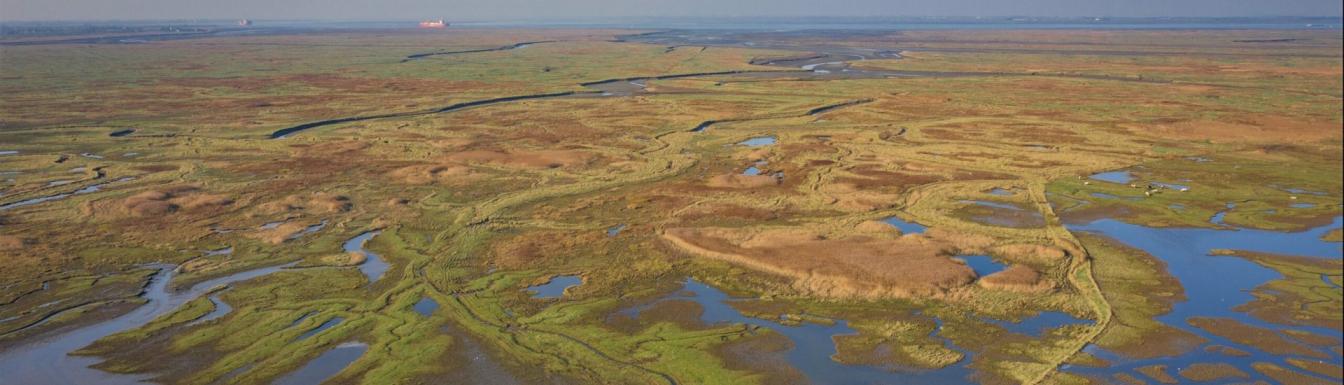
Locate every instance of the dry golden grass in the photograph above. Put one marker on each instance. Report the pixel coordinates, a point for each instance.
(847, 266)
(739, 181)
(538, 159)
(421, 174)
(157, 203)
(1018, 278)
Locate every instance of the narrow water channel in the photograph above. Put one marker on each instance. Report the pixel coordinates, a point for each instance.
(47, 361)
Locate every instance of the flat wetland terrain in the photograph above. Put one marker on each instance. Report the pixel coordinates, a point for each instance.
(588, 206)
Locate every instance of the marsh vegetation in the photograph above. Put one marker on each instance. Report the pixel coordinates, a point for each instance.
(684, 207)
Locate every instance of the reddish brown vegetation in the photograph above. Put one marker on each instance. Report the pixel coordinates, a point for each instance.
(862, 266)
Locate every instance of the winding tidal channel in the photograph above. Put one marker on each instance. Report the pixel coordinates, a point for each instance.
(48, 361)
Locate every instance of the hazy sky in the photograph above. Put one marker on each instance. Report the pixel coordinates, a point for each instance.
(484, 10)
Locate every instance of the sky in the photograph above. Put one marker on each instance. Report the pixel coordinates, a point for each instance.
(511, 10)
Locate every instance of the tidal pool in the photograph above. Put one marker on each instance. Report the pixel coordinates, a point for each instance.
(1215, 285)
(1001, 214)
(373, 267)
(906, 227)
(326, 365)
(425, 306)
(993, 204)
(983, 265)
(555, 287)
(758, 141)
(1121, 177)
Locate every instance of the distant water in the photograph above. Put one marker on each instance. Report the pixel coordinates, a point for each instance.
(776, 24)
(896, 23)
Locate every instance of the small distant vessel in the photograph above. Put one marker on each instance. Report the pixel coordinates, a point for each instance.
(433, 24)
(244, 22)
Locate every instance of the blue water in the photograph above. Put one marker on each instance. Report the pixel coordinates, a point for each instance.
(758, 141)
(1303, 205)
(615, 230)
(556, 286)
(906, 227)
(373, 267)
(1217, 218)
(86, 190)
(1039, 324)
(1304, 192)
(1004, 206)
(1328, 282)
(899, 23)
(326, 365)
(1214, 285)
(324, 326)
(221, 309)
(813, 346)
(751, 171)
(426, 306)
(1121, 177)
(983, 265)
(309, 230)
(1000, 192)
